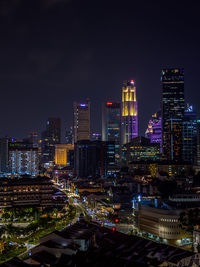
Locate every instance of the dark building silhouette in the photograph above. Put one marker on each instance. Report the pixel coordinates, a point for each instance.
(4, 155)
(33, 138)
(69, 135)
(50, 137)
(92, 158)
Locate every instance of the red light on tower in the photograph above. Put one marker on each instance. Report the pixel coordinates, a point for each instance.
(113, 229)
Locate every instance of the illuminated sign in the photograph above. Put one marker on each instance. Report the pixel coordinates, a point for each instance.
(109, 103)
(83, 105)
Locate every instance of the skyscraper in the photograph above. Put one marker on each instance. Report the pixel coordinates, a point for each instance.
(81, 121)
(172, 82)
(111, 124)
(50, 138)
(33, 138)
(129, 112)
(154, 129)
(189, 135)
(69, 135)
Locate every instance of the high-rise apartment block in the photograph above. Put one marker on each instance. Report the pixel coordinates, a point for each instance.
(129, 112)
(81, 121)
(111, 124)
(23, 158)
(172, 82)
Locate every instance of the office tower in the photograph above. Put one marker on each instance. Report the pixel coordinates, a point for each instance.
(69, 135)
(23, 158)
(81, 121)
(154, 129)
(172, 82)
(140, 149)
(33, 138)
(4, 155)
(50, 137)
(93, 158)
(129, 125)
(111, 125)
(54, 130)
(61, 153)
(189, 135)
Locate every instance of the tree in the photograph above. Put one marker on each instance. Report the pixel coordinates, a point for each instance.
(1, 246)
(190, 219)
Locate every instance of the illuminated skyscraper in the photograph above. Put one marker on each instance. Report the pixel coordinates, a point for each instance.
(154, 129)
(129, 112)
(81, 121)
(189, 135)
(172, 82)
(111, 124)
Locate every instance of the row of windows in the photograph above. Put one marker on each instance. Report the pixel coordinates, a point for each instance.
(168, 220)
(170, 233)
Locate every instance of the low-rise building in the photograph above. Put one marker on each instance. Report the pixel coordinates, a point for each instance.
(26, 192)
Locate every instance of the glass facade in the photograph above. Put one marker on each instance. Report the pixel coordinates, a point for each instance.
(189, 135)
(111, 124)
(172, 81)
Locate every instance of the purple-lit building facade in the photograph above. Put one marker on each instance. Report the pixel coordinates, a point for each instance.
(154, 129)
(129, 126)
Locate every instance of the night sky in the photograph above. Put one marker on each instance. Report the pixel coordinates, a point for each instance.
(54, 52)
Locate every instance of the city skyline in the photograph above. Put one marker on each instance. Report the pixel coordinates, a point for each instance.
(66, 51)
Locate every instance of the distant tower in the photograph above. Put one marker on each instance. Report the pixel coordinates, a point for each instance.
(50, 137)
(69, 135)
(172, 82)
(33, 138)
(81, 121)
(129, 112)
(111, 124)
(154, 129)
